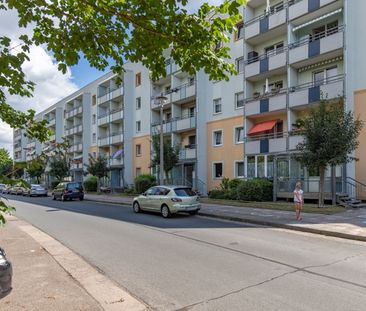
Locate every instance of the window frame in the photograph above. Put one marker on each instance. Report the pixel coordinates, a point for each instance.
(214, 177)
(236, 100)
(238, 61)
(138, 126)
(138, 79)
(238, 142)
(239, 33)
(138, 150)
(138, 103)
(236, 162)
(214, 105)
(214, 138)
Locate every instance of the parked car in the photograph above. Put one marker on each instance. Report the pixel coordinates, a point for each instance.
(168, 200)
(68, 191)
(36, 190)
(2, 187)
(6, 274)
(17, 190)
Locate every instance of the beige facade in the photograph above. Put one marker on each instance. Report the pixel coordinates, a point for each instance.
(141, 155)
(227, 153)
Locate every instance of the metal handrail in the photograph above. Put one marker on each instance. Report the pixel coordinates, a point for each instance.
(267, 55)
(307, 85)
(267, 95)
(266, 136)
(188, 116)
(72, 109)
(318, 36)
(257, 18)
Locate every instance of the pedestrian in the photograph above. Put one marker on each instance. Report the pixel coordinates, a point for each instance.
(298, 200)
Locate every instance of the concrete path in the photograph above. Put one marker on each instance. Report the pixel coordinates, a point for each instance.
(351, 224)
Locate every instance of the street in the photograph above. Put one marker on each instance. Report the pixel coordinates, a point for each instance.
(196, 263)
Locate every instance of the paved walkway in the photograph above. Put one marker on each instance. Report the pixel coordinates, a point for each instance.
(351, 224)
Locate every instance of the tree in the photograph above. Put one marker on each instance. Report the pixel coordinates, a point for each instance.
(97, 167)
(36, 168)
(59, 161)
(330, 137)
(114, 31)
(6, 163)
(171, 154)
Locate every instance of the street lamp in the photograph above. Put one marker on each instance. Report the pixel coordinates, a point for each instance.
(161, 100)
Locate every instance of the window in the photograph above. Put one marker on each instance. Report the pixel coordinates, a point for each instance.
(273, 87)
(138, 103)
(239, 135)
(138, 150)
(94, 138)
(138, 126)
(191, 112)
(217, 105)
(239, 34)
(191, 81)
(274, 49)
(94, 100)
(321, 77)
(239, 100)
(94, 118)
(239, 169)
(138, 171)
(217, 170)
(217, 138)
(323, 31)
(167, 89)
(239, 64)
(192, 141)
(138, 79)
(168, 116)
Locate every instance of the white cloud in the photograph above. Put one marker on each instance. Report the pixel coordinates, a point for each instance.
(51, 84)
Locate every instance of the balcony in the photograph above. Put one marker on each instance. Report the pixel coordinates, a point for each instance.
(301, 7)
(324, 45)
(74, 130)
(117, 138)
(73, 112)
(31, 145)
(266, 103)
(17, 149)
(111, 94)
(264, 23)
(117, 114)
(312, 92)
(76, 166)
(103, 119)
(266, 143)
(264, 63)
(188, 153)
(294, 139)
(184, 92)
(51, 122)
(76, 148)
(116, 162)
(52, 138)
(185, 123)
(167, 127)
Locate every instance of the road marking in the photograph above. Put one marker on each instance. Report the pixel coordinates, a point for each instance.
(110, 296)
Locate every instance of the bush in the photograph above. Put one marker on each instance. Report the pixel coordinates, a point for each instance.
(91, 184)
(234, 183)
(144, 182)
(258, 189)
(54, 184)
(230, 194)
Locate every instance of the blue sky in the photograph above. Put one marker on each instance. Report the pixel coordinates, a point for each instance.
(82, 73)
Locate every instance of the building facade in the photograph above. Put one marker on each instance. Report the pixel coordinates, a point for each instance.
(289, 56)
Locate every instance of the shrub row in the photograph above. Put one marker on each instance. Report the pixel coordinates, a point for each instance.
(258, 189)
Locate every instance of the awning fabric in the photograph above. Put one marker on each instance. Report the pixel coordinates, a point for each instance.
(262, 127)
(117, 153)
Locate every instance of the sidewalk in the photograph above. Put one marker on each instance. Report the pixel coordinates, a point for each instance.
(49, 276)
(351, 224)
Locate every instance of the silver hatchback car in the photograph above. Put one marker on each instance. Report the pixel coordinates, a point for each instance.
(168, 200)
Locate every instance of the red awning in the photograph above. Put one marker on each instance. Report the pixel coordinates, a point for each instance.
(262, 127)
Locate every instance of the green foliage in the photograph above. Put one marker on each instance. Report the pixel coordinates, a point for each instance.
(97, 167)
(54, 184)
(330, 137)
(229, 194)
(144, 182)
(234, 183)
(224, 185)
(258, 189)
(59, 162)
(6, 163)
(91, 183)
(36, 168)
(5, 208)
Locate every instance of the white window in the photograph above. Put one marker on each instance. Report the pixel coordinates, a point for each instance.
(325, 75)
(239, 64)
(94, 118)
(138, 126)
(138, 171)
(217, 107)
(138, 150)
(239, 135)
(94, 138)
(239, 31)
(239, 100)
(239, 169)
(138, 103)
(217, 138)
(217, 170)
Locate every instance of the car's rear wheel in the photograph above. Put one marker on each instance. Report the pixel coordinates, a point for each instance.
(136, 207)
(81, 198)
(63, 198)
(165, 212)
(193, 212)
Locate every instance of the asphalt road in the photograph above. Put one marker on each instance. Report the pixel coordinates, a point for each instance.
(195, 263)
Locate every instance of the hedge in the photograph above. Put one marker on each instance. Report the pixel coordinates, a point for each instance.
(144, 182)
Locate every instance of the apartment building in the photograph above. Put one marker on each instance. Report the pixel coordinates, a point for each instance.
(289, 55)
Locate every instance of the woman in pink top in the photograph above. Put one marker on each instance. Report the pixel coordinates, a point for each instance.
(298, 200)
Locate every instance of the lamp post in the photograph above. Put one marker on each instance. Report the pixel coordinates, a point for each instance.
(161, 100)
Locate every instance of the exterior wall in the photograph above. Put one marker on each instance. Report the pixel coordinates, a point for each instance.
(142, 162)
(228, 153)
(360, 112)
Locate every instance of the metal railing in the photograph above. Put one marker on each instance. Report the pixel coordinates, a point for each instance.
(273, 10)
(355, 188)
(311, 184)
(308, 85)
(268, 54)
(318, 36)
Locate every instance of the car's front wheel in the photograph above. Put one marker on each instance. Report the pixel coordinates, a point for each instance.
(165, 212)
(136, 207)
(193, 212)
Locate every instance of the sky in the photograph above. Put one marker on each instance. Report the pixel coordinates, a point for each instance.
(51, 84)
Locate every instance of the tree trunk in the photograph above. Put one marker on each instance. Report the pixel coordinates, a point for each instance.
(98, 185)
(321, 186)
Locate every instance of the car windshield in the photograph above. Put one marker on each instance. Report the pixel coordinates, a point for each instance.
(184, 192)
(73, 186)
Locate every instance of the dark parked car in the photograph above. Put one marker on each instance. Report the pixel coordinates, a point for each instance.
(68, 191)
(6, 274)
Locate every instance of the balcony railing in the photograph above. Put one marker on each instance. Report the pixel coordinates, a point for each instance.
(76, 148)
(272, 101)
(184, 91)
(177, 124)
(76, 166)
(298, 8)
(116, 162)
(114, 138)
(188, 153)
(73, 130)
(110, 94)
(73, 112)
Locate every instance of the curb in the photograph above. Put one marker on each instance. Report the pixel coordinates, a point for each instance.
(289, 227)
